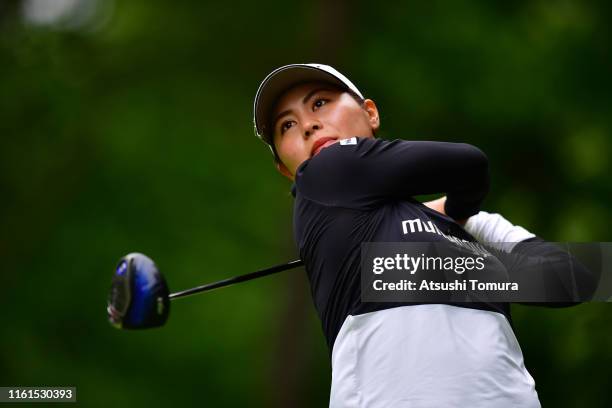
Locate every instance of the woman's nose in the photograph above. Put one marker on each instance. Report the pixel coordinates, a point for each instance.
(311, 129)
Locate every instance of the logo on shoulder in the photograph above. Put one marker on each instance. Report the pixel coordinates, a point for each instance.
(348, 142)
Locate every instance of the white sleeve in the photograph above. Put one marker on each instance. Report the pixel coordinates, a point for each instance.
(495, 230)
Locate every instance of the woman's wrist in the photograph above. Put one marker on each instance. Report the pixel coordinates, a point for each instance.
(495, 229)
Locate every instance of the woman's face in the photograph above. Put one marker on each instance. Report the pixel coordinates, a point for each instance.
(312, 116)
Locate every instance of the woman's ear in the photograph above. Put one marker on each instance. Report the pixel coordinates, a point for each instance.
(284, 170)
(370, 107)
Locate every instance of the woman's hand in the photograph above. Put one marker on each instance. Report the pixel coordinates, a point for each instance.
(438, 205)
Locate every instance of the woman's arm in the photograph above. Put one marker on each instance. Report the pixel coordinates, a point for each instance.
(370, 171)
(438, 205)
(531, 260)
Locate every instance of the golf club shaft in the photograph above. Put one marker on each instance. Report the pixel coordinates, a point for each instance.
(237, 279)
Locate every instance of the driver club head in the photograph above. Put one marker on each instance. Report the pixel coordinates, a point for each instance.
(138, 297)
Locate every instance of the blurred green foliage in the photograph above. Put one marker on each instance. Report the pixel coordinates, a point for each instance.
(134, 133)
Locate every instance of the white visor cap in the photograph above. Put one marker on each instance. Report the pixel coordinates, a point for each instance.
(284, 78)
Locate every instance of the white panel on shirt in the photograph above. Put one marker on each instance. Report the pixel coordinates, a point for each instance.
(429, 356)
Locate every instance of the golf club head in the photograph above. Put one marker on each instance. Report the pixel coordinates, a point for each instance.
(138, 297)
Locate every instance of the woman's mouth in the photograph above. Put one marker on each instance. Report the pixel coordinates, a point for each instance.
(321, 144)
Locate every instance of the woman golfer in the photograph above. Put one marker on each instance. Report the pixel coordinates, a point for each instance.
(350, 188)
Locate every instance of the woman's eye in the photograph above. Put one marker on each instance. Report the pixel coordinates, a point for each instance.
(286, 126)
(318, 103)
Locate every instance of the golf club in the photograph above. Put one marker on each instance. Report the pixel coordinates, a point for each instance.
(139, 297)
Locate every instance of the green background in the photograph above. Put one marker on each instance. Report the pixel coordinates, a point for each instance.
(130, 129)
